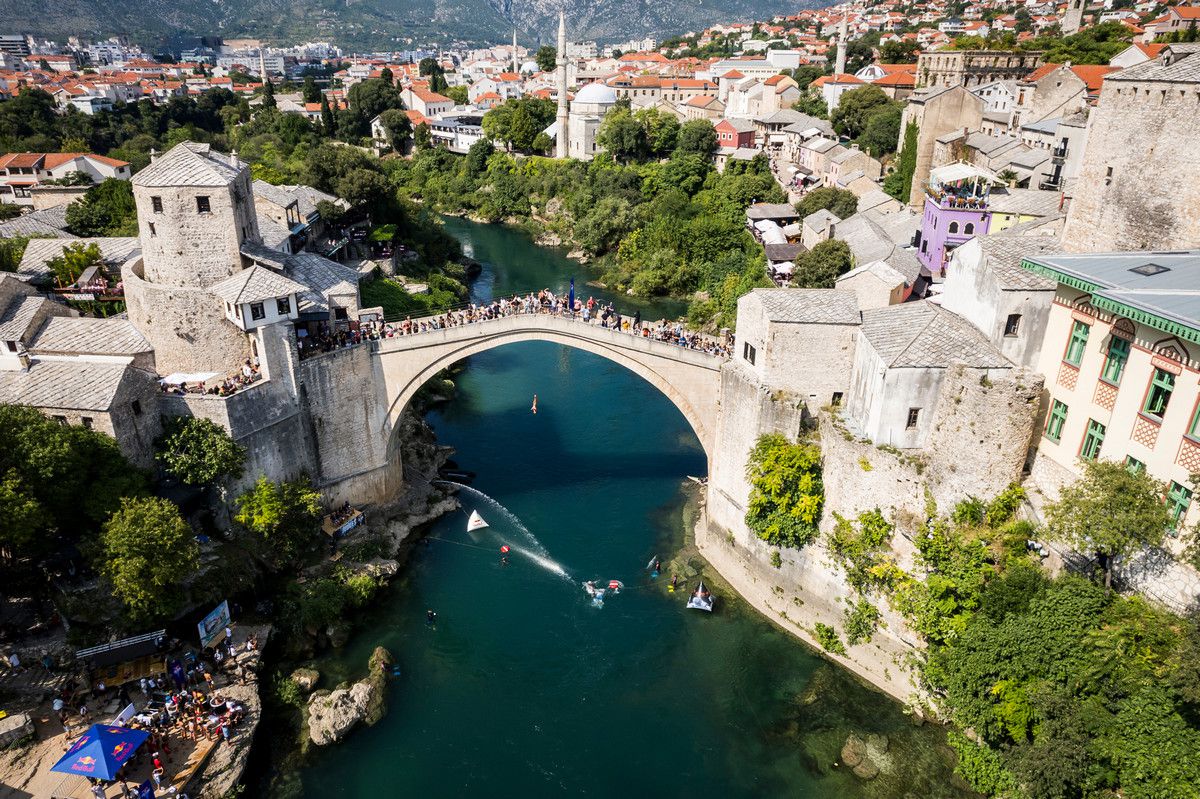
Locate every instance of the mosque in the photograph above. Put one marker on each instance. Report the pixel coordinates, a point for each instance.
(576, 125)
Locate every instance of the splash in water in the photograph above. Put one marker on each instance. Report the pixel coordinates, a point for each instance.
(537, 552)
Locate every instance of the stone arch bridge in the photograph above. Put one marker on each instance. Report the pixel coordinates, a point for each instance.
(689, 378)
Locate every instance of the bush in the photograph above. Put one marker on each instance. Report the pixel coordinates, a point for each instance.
(787, 495)
(861, 622)
(828, 638)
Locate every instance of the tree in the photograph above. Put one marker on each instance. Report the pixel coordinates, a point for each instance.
(199, 452)
(268, 96)
(812, 103)
(661, 128)
(840, 202)
(281, 519)
(309, 91)
(786, 492)
(546, 58)
(328, 122)
(820, 267)
(519, 121)
(622, 137)
(696, 137)
(1111, 511)
(882, 131)
(459, 94)
(75, 258)
(106, 209)
(421, 136)
(904, 51)
(398, 127)
(855, 106)
(898, 183)
(146, 551)
(385, 74)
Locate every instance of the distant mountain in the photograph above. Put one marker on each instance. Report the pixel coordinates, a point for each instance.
(383, 24)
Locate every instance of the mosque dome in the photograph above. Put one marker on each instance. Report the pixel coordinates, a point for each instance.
(596, 94)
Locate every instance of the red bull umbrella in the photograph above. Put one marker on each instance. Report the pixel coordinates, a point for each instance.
(101, 751)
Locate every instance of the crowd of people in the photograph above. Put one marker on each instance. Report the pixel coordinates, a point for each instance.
(230, 384)
(591, 312)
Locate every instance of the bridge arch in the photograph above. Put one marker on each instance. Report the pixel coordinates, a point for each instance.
(690, 379)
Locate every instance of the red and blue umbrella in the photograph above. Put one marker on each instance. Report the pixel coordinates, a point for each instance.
(101, 751)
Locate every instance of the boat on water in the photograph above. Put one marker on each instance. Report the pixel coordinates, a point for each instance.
(701, 599)
(476, 522)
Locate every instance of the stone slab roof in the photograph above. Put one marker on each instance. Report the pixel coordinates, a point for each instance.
(273, 234)
(74, 384)
(320, 276)
(255, 285)
(189, 164)
(74, 335)
(923, 335)
(783, 252)
(262, 254)
(16, 319)
(1004, 256)
(1183, 70)
(809, 306)
(33, 266)
(46, 222)
(771, 211)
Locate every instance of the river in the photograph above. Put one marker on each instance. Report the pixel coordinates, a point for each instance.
(523, 687)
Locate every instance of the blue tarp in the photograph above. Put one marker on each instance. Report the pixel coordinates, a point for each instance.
(101, 751)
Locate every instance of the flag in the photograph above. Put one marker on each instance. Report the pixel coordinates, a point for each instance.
(571, 297)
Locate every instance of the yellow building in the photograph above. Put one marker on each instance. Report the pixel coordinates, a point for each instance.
(1121, 356)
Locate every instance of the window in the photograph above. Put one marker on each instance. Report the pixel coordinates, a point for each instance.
(60, 419)
(257, 311)
(1108, 176)
(1114, 364)
(1161, 386)
(136, 407)
(837, 398)
(748, 352)
(11, 345)
(156, 204)
(86, 421)
(923, 246)
(1054, 424)
(1078, 343)
(153, 232)
(1194, 427)
(969, 228)
(1092, 441)
(1178, 499)
(339, 314)
(202, 205)
(1012, 324)
(953, 228)
(1134, 465)
(913, 415)
(283, 305)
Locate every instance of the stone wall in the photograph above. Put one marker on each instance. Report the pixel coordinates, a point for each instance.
(952, 110)
(345, 401)
(186, 326)
(1124, 202)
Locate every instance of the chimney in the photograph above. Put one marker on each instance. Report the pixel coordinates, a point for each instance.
(233, 159)
(153, 155)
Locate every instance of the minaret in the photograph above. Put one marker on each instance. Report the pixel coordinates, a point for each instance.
(563, 113)
(841, 51)
(516, 67)
(1074, 17)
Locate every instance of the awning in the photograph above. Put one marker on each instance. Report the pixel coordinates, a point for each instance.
(178, 378)
(785, 268)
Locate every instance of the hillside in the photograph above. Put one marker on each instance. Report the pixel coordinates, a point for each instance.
(383, 24)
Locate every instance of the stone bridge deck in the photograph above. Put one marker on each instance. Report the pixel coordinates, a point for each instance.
(689, 378)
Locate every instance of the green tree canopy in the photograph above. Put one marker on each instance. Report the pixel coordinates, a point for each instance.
(904, 51)
(820, 267)
(855, 107)
(840, 202)
(882, 131)
(786, 491)
(1110, 511)
(199, 452)
(546, 58)
(309, 91)
(106, 209)
(696, 137)
(622, 137)
(281, 519)
(75, 258)
(519, 121)
(146, 551)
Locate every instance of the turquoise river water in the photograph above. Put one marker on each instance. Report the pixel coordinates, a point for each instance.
(523, 687)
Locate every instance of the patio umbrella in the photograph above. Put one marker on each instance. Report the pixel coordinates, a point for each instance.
(101, 751)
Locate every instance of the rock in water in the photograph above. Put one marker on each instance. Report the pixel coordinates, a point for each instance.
(332, 714)
(306, 680)
(862, 756)
(854, 751)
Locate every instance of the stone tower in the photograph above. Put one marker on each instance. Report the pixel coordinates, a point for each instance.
(195, 208)
(1137, 187)
(516, 67)
(195, 212)
(560, 150)
(840, 66)
(1074, 17)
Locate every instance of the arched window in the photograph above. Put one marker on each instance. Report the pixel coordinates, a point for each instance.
(969, 228)
(953, 227)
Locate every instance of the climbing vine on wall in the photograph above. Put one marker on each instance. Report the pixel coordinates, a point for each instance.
(787, 494)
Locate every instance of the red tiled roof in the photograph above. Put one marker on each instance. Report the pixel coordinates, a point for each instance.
(24, 160)
(733, 74)
(1041, 72)
(897, 79)
(1151, 50)
(1092, 75)
(1185, 12)
(890, 69)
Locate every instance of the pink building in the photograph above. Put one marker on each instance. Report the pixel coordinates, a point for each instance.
(956, 210)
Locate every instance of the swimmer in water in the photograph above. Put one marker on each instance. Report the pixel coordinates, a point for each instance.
(430, 618)
(534, 408)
